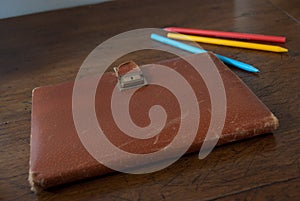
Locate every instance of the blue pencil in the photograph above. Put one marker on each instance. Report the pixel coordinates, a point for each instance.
(197, 50)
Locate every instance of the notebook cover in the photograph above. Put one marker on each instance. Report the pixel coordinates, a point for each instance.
(57, 155)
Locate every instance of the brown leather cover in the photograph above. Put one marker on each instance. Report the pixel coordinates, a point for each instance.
(57, 155)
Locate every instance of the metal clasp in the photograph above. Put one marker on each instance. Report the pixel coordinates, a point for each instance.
(129, 76)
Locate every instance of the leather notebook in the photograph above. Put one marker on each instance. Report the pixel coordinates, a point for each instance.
(57, 155)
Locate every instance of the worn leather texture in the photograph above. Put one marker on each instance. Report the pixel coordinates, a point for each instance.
(57, 155)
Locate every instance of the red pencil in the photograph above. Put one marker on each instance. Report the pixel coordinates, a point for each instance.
(223, 34)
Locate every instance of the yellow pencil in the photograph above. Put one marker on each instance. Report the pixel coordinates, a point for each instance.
(224, 42)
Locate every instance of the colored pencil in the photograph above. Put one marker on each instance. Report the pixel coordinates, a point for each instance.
(225, 42)
(231, 35)
(197, 50)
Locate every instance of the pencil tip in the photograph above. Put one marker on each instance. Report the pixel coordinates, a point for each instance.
(255, 70)
(282, 49)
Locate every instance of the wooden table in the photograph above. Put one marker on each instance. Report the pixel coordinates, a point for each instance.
(48, 48)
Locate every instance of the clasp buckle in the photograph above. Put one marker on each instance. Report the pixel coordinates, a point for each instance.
(129, 76)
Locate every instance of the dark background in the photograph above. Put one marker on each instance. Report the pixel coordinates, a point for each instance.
(48, 48)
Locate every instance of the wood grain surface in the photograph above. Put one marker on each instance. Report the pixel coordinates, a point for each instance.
(48, 48)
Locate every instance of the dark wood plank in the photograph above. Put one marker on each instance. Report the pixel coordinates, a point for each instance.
(48, 48)
(286, 190)
(292, 9)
